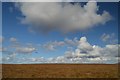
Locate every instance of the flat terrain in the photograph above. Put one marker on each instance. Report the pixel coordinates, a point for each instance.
(60, 70)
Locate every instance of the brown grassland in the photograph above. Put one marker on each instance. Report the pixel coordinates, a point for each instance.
(60, 71)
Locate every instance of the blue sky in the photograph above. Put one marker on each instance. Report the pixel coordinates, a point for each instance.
(25, 34)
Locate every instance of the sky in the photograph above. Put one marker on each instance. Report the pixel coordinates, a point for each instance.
(57, 32)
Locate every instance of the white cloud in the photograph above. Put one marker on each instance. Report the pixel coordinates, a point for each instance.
(71, 42)
(9, 58)
(53, 45)
(84, 45)
(84, 52)
(49, 47)
(105, 37)
(19, 47)
(25, 49)
(31, 60)
(109, 38)
(111, 50)
(69, 54)
(12, 39)
(63, 17)
(93, 53)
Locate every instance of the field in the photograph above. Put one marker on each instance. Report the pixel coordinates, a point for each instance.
(60, 70)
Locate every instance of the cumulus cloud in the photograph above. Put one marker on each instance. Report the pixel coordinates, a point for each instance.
(109, 38)
(25, 49)
(18, 47)
(53, 45)
(84, 45)
(71, 42)
(63, 17)
(111, 50)
(8, 58)
(86, 51)
(105, 37)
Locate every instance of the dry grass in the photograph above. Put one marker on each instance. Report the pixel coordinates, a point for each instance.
(60, 71)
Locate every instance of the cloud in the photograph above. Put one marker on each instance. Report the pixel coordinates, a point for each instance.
(31, 60)
(109, 38)
(62, 59)
(52, 45)
(12, 39)
(93, 53)
(71, 42)
(84, 45)
(111, 50)
(105, 37)
(25, 49)
(64, 17)
(84, 52)
(9, 58)
(87, 53)
(18, 47)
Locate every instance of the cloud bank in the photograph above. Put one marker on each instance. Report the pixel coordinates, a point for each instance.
(83, 52)
(64, 17)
